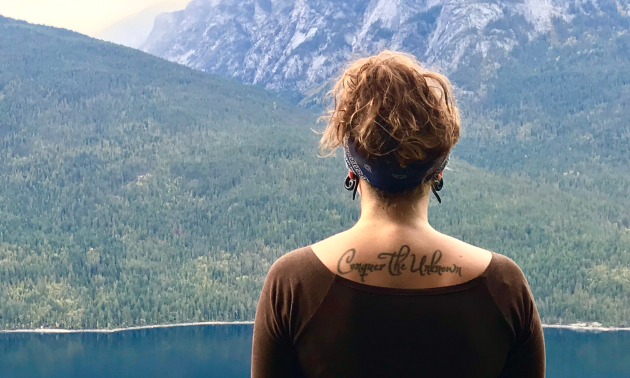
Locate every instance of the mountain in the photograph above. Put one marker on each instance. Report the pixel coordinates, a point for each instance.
(137, 191)
(133, 31)
(296, 45)
(543, 83)
(123, 178)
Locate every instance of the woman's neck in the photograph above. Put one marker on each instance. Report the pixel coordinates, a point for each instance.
(404, 214)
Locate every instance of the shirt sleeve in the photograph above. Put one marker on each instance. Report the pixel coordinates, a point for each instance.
(526, 357)
(273, 353)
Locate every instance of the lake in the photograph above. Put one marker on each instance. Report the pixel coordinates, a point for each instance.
(224, 351)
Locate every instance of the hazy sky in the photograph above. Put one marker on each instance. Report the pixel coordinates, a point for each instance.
(84, 16)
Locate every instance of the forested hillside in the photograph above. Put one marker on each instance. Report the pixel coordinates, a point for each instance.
(557, 106)
(135, 191)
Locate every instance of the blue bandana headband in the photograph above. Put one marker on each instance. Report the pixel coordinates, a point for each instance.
(385, 173)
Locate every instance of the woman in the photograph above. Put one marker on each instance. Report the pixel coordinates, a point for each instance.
(392, 297)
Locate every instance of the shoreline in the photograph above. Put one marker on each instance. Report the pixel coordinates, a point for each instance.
(584, 327)
(116, 330)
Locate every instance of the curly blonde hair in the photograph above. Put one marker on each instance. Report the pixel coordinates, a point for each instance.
(390, 97)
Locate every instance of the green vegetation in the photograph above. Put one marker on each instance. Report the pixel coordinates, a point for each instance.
(557, 107)
(135, 191)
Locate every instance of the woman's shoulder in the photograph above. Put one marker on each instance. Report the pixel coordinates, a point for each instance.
(477, 260)
(298, 266)
(292, 259)
(501, 273)
(508, 286)
(294, 288)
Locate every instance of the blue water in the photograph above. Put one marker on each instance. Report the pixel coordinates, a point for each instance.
(224, 351)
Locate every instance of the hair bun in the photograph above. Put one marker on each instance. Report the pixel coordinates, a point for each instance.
(389, 104)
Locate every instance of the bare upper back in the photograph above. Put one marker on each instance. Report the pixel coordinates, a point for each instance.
(313, 323)
(402, 258)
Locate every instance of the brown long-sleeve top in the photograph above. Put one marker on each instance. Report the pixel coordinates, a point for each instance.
(311, 322)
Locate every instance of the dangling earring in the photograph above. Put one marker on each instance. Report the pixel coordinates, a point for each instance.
(436, 187)
(351, 184)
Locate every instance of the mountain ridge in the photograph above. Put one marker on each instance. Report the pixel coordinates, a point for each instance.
(132, 31)
(296, 45)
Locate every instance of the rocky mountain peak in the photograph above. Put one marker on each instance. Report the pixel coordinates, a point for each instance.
(295, 46)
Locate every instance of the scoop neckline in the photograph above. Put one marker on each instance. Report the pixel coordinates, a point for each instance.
(402, 291)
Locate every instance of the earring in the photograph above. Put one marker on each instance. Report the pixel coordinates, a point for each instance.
(436, 187)
(439, 184)
(351, 184)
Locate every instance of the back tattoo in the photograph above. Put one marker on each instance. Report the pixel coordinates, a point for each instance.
(396, 263)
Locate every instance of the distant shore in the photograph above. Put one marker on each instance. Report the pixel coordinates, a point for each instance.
(593, 326)
(114, 330)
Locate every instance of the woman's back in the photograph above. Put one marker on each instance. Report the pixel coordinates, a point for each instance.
(314, 323)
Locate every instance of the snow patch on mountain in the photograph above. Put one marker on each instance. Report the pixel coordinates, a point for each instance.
(540, 13)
